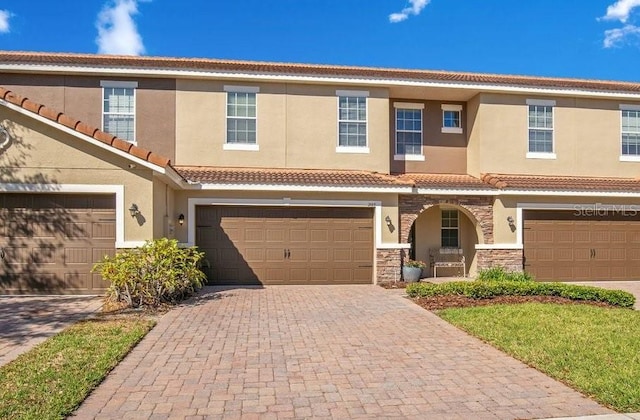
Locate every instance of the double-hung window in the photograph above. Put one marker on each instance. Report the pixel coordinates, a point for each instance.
(449, 232)
(408, 131)
(241, 118)
(451, 118)
(352, 121)
(630, 128)
(119, 109)
(540, 129)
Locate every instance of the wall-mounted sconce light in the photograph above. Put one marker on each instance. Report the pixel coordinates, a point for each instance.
(389, 223)
(511, 222)
(388, 220)
(181, 219)
(133, 210)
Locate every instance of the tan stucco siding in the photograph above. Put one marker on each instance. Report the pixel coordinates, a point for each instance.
(43, 155)
(586, 138)
(297, 127)
(474, 151)
(443, 152)
(389, 205)
(80, 97)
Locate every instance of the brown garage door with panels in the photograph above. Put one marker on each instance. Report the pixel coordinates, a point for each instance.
(286, 245)
(589, 245)
(49, 242)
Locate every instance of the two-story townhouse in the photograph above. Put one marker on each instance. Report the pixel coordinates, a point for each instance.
(309, 174)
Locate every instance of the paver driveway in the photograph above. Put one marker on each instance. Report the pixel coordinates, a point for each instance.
(321, 351)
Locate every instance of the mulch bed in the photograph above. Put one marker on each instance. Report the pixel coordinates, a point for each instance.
(455, 301)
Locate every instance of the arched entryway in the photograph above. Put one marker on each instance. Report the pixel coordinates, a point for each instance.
(421, 225)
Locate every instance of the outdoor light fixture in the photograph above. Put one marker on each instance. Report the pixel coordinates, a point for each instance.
(133, 210)
(510, 220)
(388, 220)
(181, 219)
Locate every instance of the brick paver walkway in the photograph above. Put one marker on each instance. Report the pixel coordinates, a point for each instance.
(27, 321)
(321, 352)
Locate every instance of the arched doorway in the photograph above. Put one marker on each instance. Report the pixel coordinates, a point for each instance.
(445, 226)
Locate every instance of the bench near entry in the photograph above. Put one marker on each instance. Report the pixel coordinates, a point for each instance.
(447, 258)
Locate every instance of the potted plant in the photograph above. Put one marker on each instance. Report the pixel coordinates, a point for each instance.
(412, 270)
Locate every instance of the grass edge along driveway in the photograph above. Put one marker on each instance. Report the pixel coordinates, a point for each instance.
(593, 349)
(52, 379)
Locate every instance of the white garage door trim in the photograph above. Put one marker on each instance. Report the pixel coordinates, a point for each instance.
(193, 202)
(118, 190)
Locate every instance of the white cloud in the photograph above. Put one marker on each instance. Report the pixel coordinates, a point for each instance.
(617, 36)
(4, 21)
(621, 10)
(415, 8)
(117, 31)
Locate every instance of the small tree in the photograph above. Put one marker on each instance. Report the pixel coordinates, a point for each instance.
(158, 272)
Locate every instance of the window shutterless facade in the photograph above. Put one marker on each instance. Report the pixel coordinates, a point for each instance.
(408, 131)
(449, 231)
(540, 128)
(630, 128)
(352, 121)
(118, 109)
(451, 118)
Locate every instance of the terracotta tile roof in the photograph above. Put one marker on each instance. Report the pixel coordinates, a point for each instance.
(561, 183)
(259, 67)
(302, 177)
(445, 181)
(83, 128)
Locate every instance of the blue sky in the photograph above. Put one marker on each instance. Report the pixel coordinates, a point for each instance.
(565, 38)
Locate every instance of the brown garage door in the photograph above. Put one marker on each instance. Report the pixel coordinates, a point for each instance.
(566, 246)
(49, 242)
(286, 245)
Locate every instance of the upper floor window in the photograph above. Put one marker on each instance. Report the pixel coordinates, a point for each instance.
(119, 109)
(408, 131)
(452, 118)
(241, 117)
(630, 131)
(449, 232)
(540, 129)
(352, 121)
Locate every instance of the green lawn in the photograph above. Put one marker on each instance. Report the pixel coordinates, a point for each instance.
(51, 380)
(593, 349)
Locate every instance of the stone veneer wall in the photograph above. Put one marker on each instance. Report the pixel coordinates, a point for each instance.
(481, 207)
(389, 263)
(510, 259)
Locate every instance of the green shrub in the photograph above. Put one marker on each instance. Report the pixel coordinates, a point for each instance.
(501, 274)
(490, 289)
(158, 272)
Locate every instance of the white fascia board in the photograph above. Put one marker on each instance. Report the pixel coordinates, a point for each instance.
(84, 137)
(200, 74)
(435, 191)
(571, 193)
(310, 188)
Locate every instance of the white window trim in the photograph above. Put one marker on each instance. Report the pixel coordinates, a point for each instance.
(409, 157)
(109, 84)
(420, 158)
(457, 228)
(352, 149)
(408, 105)
(455, 108)
(542, 155)
(627, 158)
(239, 146)
(241, 89)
